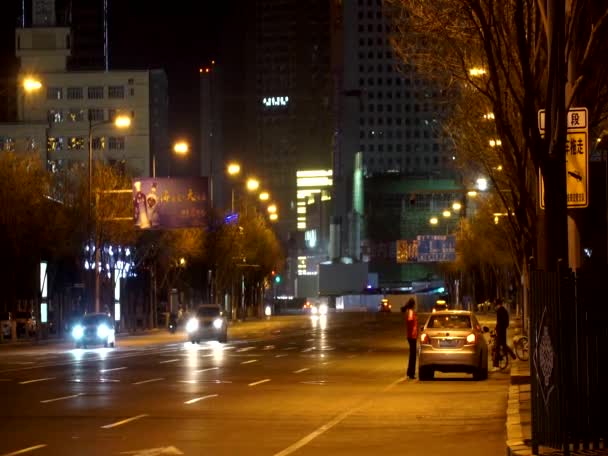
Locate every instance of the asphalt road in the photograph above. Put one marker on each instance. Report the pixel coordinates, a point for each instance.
(290, 385)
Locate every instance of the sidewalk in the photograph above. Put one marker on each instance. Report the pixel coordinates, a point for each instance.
(519, 417)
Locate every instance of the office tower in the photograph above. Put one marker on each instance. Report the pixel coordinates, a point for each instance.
(385, 112)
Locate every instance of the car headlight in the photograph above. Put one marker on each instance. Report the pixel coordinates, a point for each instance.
(218, 323)
(192, 325)
(314, 310)
(103, 331)
(323, 309)
(77, 332)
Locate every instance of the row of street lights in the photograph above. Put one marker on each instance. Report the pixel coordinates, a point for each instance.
(252, 185)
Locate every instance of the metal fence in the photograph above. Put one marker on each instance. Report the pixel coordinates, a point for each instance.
(569, 348)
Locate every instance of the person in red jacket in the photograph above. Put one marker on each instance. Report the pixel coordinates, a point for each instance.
(411, 321)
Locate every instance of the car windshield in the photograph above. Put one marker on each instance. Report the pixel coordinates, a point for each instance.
(208, 312)
(450, 321)
(95, 320)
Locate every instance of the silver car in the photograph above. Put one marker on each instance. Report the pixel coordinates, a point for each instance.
(453, 341)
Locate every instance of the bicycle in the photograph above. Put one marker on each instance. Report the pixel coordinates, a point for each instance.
(522, 349)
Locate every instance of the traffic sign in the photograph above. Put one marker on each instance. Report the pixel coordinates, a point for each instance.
(577, 159)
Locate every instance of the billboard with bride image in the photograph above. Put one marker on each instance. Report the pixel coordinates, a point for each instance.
(165, 203)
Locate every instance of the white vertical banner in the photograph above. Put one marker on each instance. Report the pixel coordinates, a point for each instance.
(44, 314)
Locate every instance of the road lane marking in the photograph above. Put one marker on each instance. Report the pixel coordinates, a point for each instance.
(207, 369)
(191, 382)
(280, 356)
(259, 382)
(120, 423)
(103, 371)
(330, 424)
(25, 450)
(308, 349)
(290, 348)
(244, 349)
(148, 381)
(60, 398)
(174, 360)
(36, 380)
(310, 340)
(250, 361)
(299, 371)
(268, 347)
(196, 399)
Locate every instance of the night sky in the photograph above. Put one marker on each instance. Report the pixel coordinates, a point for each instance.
(179, 37)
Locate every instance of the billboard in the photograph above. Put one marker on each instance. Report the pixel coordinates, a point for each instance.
(164, 203)
(432, 248)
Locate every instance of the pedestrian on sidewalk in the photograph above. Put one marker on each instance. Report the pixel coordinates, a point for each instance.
(502, 324)
(411, 320)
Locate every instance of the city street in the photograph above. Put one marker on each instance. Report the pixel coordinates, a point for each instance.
(289, 385)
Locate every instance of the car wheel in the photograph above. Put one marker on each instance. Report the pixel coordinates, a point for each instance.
(426, 373)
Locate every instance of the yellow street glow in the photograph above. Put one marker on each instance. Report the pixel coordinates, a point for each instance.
(274, 217)
(434, 221)
(456, 206)
(181, 147)
(477, 71)
(264, 196)
(272, 209)
(447, 213)
(472, 193)
(31, 84)
(122, 121)
(234, 169)
(253, 184)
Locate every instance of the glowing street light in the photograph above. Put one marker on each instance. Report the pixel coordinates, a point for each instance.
(477, 71)
(456, 206)
(272, 209)
(264, 196)
(482, 184)
(181, 148)
(274, 217)
(433, 221)
(234, 169)
(31, 84)
(253, 184)
(447, 214)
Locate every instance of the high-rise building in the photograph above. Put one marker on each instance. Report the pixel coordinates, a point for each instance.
(385, 111)
(278, 118)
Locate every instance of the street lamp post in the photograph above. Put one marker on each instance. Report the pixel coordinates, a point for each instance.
(233, 170)
(118, 122)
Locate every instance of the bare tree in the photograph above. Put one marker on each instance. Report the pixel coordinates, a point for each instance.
(494, 57)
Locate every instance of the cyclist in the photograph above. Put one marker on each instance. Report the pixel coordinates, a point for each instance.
(502, 323)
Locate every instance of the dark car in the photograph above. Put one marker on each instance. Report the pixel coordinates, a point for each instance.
(94, 329)
(209, 322)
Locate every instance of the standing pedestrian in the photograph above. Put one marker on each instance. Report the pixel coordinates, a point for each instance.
(502, 324)
(411, 321)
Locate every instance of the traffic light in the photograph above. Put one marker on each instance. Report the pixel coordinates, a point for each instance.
(277, 279)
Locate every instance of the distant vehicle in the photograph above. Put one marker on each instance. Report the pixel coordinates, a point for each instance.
(384, 306)
(453, 341)
(440, 304)
(315, 309)
(209, 322)
(94, 329)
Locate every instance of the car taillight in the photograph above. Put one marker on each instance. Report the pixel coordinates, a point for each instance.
(424, 339)
(471, 338)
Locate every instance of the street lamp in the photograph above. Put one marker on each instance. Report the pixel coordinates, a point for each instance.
(252, 184)
(233, 170)
(273, 217)
(272, 209)
(264, 196)
(119, 122)
(181, 148)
